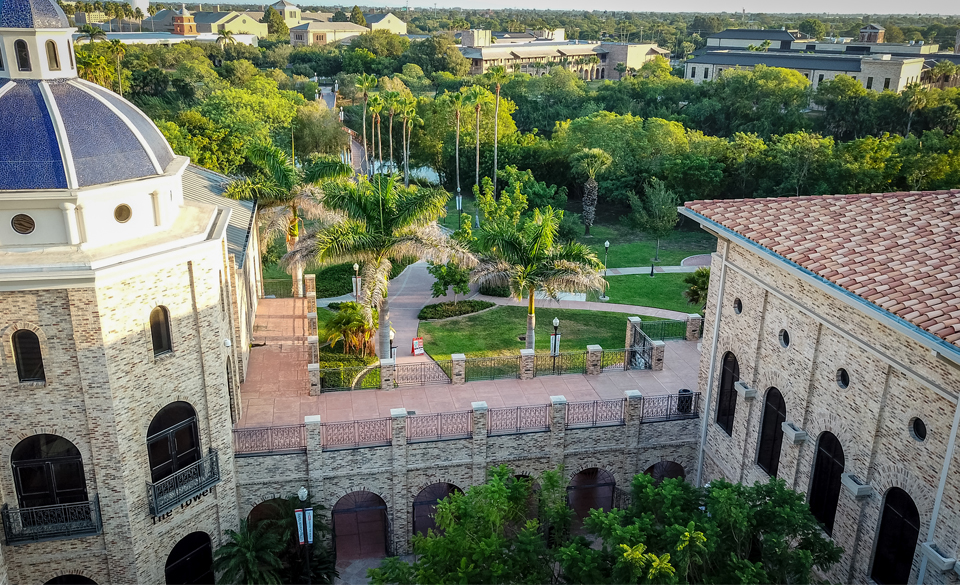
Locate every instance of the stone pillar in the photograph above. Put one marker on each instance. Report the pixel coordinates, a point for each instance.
(634, 416)
(399, 508)
(657, 355)
(694, 321)
(594, 360)
(313, 342)
(527, 367)
(631, 321)
(558, 429)
(315, 465)
(479, 442)
(313, 370)
(459, 368)
(388, 373)
(310, 285)
(312, 321)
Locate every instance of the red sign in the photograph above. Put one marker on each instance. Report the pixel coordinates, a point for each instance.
(417, 348)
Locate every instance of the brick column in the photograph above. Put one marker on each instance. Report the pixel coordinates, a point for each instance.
(558, 429)
(479, 442)
(315, 465)
(313, 370)
(399, 507)
(298, 288)
(631, 321)
(594, 360)
(388, 373)
(634, 415)
(313, 342)
(693, 327)
(312, 321)
(526, 364)
(459, 368)
(657, 356)
(310, 285)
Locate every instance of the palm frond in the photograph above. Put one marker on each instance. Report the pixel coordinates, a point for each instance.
(498, 272)
(276, 163)
(421, 206)
(273, 221)
(374, 282)
(325, 168)
(346, 241)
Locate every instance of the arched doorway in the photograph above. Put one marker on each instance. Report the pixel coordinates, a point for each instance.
(47, 471)
(665, 470)
(71, 580)
(360, 526)
(727, 397)
(825, 488)
(173, 440)
(267, 510)
(191, 561)
(425, 504)
(896, 539)
(771, 432)
(590, 489)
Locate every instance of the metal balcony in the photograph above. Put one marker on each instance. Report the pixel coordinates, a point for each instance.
(184, 484)
(57, 522)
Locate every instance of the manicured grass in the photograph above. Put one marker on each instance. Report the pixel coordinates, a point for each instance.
(332, 281)
(469, 203)
(631, 248)
(663, 291)
(495, 332)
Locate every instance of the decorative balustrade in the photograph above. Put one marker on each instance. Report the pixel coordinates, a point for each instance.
(613, 360)
(57, 522)
(557, 365)
(350, 378)
(665, 329)
(356, 433)
(270, 440)
(441, 425)
(596, 413)
(492, 368)
(423, 373)
(518, 419)
(670, 407)
(183, 484)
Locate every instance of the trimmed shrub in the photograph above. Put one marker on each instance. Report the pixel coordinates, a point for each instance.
(495, 291)
(450, 309)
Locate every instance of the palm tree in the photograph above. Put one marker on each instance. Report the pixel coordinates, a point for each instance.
(913, 98)
(528, 259)
(152, 11)
(377, 103)
(699, 283)
(392, 100)
(590, 162)
(285, 194)
(455, 101)
(353, 326)
(366, 82)
(250, 556)
(498, 76)
(409, 117)
(91, 33)
(372, 221)
(477, 96)
(118, 49)
(225, 37)
(138, 14)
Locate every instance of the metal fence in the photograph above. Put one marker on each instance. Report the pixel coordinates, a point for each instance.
(350, 378)
(281, 288)
(664, 330)
(22, 525)
(670, 407)
(170, 491)
(641, 350)
(613, 360)
(556, 365)
(424, 373)
(492, 368)
(596, 413)
(356, 433)
(441, 425)
(270, 440)
(518, 419)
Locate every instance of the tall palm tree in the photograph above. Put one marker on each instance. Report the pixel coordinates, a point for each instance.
(478, 96)
(372, 221)
(392, 99)
(91, 33)
(377, 103)
(455, 101)
(286, 194)
(152, 11)
(498, 76)
(118, 50)
(409, 117)
(366, 82)
(138, 14)
(250, 556)
(913, 98)
(590, 162)
(528, 259)
(225, 37)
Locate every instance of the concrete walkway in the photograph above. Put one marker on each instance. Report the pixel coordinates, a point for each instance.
(589, 306)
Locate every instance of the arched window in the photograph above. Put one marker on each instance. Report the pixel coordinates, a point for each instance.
(173, 440)
(26, 352)
(190, 561)
(48, 470)
(896, 539)
(160, 330)
(53, 59)
(825, 490)
(727, 399)
(771, 432)
(71, 580)
(23, 55)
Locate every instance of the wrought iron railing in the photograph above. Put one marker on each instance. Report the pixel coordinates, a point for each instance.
(518, 419)
(57, 522)
(424, 373)
(492, 368)
(270, 440)
(622, 498)
(350, 378)
(183, 484)
(640, 356)
(281, 288)
(564, 363)
(613, 360)
(670, 407)
(375, 432)
(664, 330)
(441, 425)
(596, 413)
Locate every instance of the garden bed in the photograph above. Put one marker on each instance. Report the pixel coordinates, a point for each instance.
(450, 309)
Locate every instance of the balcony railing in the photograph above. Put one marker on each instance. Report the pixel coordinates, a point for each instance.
(175, 489)
(57, 522)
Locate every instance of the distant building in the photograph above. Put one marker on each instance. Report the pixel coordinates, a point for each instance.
(167, 39)
(209, 22)
(872, 33)
(386, 21)
(322, 33)
(183, 23)
(740, 38)
(289, 12)
(318, 16)
(875, 72)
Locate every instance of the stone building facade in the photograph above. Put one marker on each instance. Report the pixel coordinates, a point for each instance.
(847, 339)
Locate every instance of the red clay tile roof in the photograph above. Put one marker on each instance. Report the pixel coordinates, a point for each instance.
(900, 251)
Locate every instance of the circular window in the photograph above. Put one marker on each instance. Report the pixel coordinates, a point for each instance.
(784, 338)
(737, 306)
(843, 378)
(122, 213)
(918, 429)
(23, 223)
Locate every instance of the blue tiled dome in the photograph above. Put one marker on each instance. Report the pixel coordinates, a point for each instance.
(32, 14)
(96, 137)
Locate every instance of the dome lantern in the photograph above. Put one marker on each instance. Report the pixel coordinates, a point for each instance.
(36, 41)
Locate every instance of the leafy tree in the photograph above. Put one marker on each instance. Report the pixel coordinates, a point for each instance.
(316, 129)
(206, 143)
(698, 284)
(657, 214)
(798, 164)
(275, 23)
(356, 16)
(238, 72)
(381, 43)
(590, 162)
(847, 107)
(373, 221)
(150, 82)
(814, 28)
(251, 556)
(437, 53)
(340, 16)
(449, 275)
(537, 193)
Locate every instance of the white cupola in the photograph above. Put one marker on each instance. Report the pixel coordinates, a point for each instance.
(36, 41)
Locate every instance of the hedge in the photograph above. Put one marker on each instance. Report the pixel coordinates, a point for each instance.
(451, 309)
(494, 291)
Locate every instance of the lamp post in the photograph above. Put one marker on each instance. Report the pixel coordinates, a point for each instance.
(308, 513)
(356, 282)
(393, 348)
(606, 254)
(459, 208)
(556, 342)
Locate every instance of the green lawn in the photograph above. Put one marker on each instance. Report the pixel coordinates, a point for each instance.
(632, 248)
(663, 291)
(469, 203)
(496, 332)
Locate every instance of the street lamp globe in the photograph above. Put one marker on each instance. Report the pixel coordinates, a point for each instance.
(392, 334)
(556, 322)
(356, 267)
(606, 244)
(302, 494)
